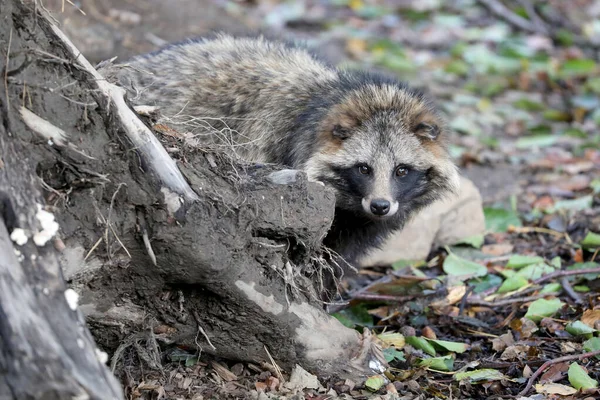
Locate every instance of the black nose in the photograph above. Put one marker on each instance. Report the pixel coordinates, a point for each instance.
(380, 206)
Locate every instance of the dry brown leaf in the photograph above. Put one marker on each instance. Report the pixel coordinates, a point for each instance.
(555, 372)
(516, 352)
(498, 249)
(555, 388)
(428, 333)
(591, 318)
(528, 328)
(503, 341)
(455, 294)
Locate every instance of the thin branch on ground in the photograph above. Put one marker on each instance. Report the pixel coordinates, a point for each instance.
(477, 302)
(564, 281)
(500, 10)
(547, 364)
(562, 273)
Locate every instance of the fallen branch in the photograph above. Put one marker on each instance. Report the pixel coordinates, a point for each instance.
(478, 302)
(562, 273)
(547, 364)
(112, 99)
(500, 10)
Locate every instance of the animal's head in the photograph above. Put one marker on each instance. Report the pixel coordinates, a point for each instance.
(382, 148)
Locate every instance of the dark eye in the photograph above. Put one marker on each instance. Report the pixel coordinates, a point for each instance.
(401, 171)
(363, 169)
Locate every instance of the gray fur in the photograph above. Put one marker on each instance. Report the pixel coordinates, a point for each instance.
(269, 102)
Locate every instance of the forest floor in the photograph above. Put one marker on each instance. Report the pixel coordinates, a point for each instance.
(524, 106)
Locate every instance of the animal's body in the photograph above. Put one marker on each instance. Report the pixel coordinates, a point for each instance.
(378, 143)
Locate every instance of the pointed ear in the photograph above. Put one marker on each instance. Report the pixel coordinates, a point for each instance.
(340, 132)
(427, 130)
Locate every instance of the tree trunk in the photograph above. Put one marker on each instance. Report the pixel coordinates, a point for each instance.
(222, 257)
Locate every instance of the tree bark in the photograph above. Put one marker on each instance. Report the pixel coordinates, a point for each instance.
(219, 256)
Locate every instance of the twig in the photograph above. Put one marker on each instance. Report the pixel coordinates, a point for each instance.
(506, 302)
(506, 14)
(534, 229)
(6, 70)
(112, 98)
(545, 366)
(382, 297)
(561, 273)
(275, 366)
(564, 281)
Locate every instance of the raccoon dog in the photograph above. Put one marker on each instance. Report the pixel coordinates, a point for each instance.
(379, 144)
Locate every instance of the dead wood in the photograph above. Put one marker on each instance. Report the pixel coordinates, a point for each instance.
(221, 257)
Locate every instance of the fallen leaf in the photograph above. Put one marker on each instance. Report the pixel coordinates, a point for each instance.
(375, 383)
(515, 352)
(503, 341)
(543, 308)
(592, 344)
(445, 363)
(498, 249)
(393, 339)
(421, 343)
(579, 378)
(591, 318)
(428, 333)
(499, 219)
(555, 388)
(554, 373)
(519, 261)
(450, 346)
(481, 375)
(591, 240)
(578, 328)
(460, 267)
(513, 283)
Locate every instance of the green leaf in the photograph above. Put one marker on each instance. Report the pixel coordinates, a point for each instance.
(473, 241)
(535, 271)
(408, 263)
(355, 316)
(592, 344)
(375, 383)
(513, 283)
(445, 363)
(536, 141)
(481, 375)
(565, 37)
(528, 105)
(553, 287)
(591, 240)
(575, 132)
(499, 219)
(543, 308)
(578, 328)
(557, 115)
(391, 354)
(579, 378)
(421, 343)
(580, 204)
(482, 284)
(458, 67)
(519, 261)
(577, 67)
(449, 346)
(459, 267)
(586, 265)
